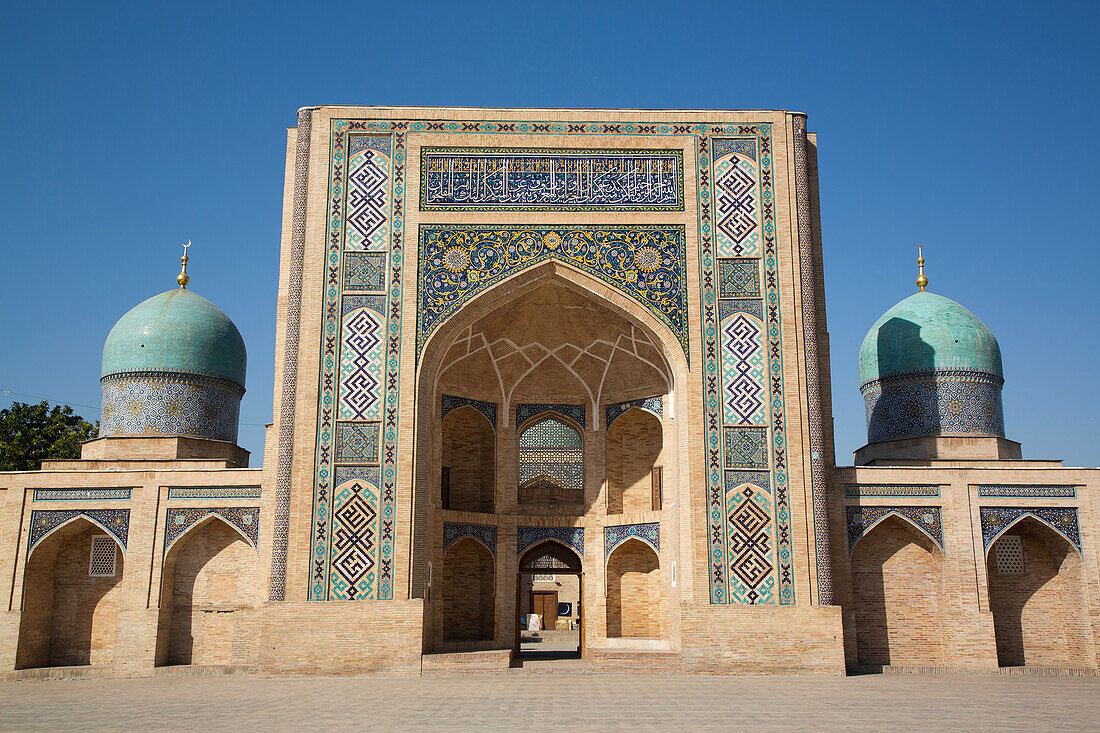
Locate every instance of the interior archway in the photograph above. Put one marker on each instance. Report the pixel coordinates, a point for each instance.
(635, 607)
(634, 444)
(1036, 584)
(549, 594)
(468, 481)
(70, 610)
(897, 588)
(205, 599)
(468, 603)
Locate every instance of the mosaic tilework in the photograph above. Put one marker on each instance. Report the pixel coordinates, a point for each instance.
(572, 537)
(552, 451)
(213, 492)
(743, 371)
(738, 278)
(655, 405)
(1027, 490)
(997, 519)
(751, 552)
(745, 447)
(529, 179)
(525, 412)
(944, 403)
(350, 303)
(488, 409)
(357, 525)
(169, 404)
(615, 536)
(759, 479)
(737, 209)
(728, 583)
(861, 519)
(807, 266)
(858, 490)
(365, 271)
(381, 143)
(368, 204)
(289, 379)
(357, 442)
(644, 262)
(454, 531)
(744, 146)
(44, 521)
(371, 474)
(362, 356)
(728, 307)
(81, 494)
(178, 521)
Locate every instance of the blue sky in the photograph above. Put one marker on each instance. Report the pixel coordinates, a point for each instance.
(129, 128)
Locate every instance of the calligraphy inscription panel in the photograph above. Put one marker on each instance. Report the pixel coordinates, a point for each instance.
(459, 261)
(545, 179)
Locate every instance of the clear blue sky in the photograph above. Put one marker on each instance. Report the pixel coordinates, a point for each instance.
(971, 126)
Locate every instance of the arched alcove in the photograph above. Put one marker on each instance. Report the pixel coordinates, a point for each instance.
(469, 461)
(468, 597)
(635, 604)
(634, 443)
(1036, 594)
(208, 583)
(897, 588)
(70, 608)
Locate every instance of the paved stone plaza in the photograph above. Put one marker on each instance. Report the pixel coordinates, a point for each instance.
(521, 699)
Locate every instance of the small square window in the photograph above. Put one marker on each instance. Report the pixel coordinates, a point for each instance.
(104, 553)
(1010, 555)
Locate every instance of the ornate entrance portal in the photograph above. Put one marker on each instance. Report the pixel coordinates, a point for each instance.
(543, 636)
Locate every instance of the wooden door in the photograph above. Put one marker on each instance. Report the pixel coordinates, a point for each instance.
(545, 604)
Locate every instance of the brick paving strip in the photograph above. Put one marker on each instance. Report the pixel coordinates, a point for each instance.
(561, 701)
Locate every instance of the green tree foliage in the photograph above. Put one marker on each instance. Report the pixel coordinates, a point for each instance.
(30, 434)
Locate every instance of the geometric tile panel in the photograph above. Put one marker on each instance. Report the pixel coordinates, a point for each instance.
(743, 145)
(858, 490)
(751, 551)
(213, 492)
(1028, 490)
(245, 519)
(371, 474)
(356, 528)
(368, 200)
(736, 207)
(645, 263)
(759, 479)
(488, 409)
(745, 448)
(728, 306)
(44, 521)
(357, 442)
(655, 405)
(362, 356)
(81, 494)
(525, 412)
(862, 518)
(527, 179)
(738, 278)
(569, 536)
(169, 405)
(940, 403)
(997, 519)
(454, 531)
(615, 536)
(364, 271)
(744, 380)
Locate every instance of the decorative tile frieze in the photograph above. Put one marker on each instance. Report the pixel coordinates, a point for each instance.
(858, 490)
(97, 494)
(862, 518)
(454, 531)
(614, 536)
(572, 537)
(179, 520)
(1028, 490)
(488, 409)
(44, 521)
(735, 479)
(655, 405)
(997, 519)
(213, 492)
(525, 412)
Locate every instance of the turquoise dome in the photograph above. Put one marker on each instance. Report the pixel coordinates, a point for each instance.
(928, 332)
(176, 332)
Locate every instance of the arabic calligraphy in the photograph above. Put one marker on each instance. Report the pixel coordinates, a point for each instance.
(524, 179)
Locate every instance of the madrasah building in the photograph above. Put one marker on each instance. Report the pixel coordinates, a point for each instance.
(557, 383)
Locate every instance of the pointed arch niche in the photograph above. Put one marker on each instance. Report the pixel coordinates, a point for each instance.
(635, 442)
(207, 596)
(468, 478)
(636, 607)
(467, 606)
(70, 615)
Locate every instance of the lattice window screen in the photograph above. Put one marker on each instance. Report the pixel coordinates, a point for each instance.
(104, 554)
(1010, 555)
(550, 451)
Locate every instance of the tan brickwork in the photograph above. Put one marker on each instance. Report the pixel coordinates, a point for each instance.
(635, 607)
(468, 592)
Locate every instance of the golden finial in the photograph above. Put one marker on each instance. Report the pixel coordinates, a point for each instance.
(183, 278)
(922, 281)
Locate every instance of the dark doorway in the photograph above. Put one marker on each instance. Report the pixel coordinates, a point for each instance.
(549, 590)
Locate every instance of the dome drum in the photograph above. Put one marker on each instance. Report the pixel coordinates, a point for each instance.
(946, 402)
(163, 403)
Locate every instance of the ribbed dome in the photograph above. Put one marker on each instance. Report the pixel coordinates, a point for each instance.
(927, 332)
(176, 332)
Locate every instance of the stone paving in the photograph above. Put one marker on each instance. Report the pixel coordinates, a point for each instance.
(561, 702)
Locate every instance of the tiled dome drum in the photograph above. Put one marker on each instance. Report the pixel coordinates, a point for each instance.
(173, 365)
(930, 367)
